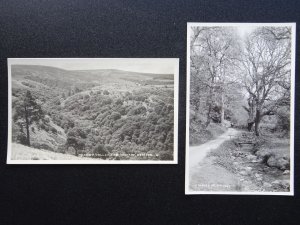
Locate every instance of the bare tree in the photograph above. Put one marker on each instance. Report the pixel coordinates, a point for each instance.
(265, 68)
(212, 50)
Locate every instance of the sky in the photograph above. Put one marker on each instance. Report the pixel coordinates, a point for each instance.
(244, 31)
(143, 65)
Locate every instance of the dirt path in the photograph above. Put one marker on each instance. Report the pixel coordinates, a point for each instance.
(231, 168)
(198, 153)
(203, 174)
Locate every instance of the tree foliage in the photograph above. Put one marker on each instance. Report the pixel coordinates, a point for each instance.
(27, 111)
(230, 73)
(265, 70)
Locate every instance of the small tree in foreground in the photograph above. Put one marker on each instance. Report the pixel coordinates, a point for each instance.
(27, 112)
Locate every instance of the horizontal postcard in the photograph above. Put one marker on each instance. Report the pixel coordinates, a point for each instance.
(92, 110)
(240, 108)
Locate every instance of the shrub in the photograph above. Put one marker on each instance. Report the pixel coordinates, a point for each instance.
(21, 138)
(100, 151)
(115, 116)
(164, 155)
(86, 107)
(61, 149)
(43, 126)
(46, 128)
(119, 102)
(53, 130)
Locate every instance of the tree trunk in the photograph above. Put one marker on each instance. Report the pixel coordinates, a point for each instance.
(222, 109)
(27, 127)
(252, 108)
(209, 103)
(257, 122)
(208, 114)
(250, 124)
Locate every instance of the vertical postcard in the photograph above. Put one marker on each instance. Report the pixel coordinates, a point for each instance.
(92, 110)
(240, 108)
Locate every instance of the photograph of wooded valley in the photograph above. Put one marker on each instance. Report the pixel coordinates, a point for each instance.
(240, 108)
(92, 109)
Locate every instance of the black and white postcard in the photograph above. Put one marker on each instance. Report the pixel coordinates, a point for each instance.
(240, 108)
(92, 111)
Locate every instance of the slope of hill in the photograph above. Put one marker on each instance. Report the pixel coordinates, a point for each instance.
(21, 152)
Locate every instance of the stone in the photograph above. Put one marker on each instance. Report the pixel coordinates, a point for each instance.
(286, 172)
(267, 185)
(251, 157)
(283, 164)
(276, 182)
(243, 173)
(257, 175)
(281, 184)
(248, 168)
(272, 162)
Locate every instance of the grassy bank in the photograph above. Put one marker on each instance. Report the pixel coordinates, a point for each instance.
(200, 136)
(22, 152)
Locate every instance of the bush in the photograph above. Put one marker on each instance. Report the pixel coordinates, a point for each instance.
(137, 110)
(164, 155)
(61, 149)
(85, 108)
(21, 138)
(100, 151)
(46, 128)
(53, 130)
(119, 102)
(115, 116)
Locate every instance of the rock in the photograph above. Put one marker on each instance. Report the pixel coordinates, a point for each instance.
(272, 162)
(267, 185)
(248, 168)
(259, 178)
(257, 175)
(235, 163)
(281, 184)
(243, 173)
(276, 182)
(283, 164)
(251, 157)
(280, 163)
(286, 172)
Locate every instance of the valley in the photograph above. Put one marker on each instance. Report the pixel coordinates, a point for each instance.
(107, 114)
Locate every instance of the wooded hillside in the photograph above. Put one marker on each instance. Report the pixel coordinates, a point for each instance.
(110, 114)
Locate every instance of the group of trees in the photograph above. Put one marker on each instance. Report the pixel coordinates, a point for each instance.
(100, 123)
(121, 123)
(229, 70)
